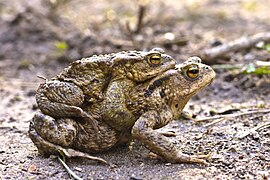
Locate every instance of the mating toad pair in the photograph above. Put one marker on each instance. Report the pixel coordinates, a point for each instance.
(103, 101)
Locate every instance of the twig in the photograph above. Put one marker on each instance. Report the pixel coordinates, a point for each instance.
(214, 122)
(168, 134)
(141, 13)
(246, 133)
(256, 68)
(233, 115)
(209, 118)
(243, 43)
(139, 24)
(227, 66)
(74, 153)
(42, 77)
(220, 118)
(257, 64)
(68, 169)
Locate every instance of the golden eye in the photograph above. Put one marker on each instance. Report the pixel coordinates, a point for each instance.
(193, 71)
(154, 59)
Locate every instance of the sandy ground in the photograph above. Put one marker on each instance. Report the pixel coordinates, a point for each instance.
(30, 32)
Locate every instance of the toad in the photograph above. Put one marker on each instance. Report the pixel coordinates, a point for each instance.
(129, 104)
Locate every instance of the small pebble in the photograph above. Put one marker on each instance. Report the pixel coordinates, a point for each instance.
(134, 177)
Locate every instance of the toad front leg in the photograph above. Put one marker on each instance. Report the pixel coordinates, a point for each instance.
(62, 99)
(115, 112)
(143, 130)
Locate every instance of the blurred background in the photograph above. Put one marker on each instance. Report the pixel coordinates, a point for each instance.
(41, 37)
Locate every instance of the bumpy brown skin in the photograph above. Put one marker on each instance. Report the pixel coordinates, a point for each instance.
(141, 107)
(158, 102)
(73, 102)
(79, 89)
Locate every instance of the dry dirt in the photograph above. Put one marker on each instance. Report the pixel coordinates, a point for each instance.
(38, 39)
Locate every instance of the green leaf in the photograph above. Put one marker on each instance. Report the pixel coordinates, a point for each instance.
(251, 69)
(262, 70)
(267, 47)
(264, 46)
(61, 46)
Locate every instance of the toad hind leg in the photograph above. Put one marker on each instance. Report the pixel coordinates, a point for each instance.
(143, 130)
(62, 99)
(56, 149)
(61, 137)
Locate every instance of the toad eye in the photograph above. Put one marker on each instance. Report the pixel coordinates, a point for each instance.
(193, 71)
(154, 59)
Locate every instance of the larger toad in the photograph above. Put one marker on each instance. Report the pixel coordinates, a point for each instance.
(78, 90)
(129, 108)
